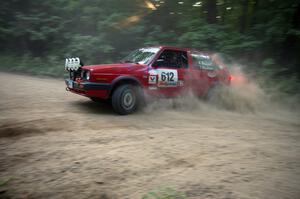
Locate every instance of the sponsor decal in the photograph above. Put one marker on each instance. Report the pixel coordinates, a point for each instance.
(152, 79)
(152, 88)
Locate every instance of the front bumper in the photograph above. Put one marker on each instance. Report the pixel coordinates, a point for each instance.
(89, 89)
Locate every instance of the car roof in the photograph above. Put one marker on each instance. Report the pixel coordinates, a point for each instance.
(170, 47)
(181, 48)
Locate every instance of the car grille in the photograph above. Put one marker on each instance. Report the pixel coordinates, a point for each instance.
(78, 74)
(75, 74)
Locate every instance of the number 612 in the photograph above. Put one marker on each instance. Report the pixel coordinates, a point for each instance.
(167, 76)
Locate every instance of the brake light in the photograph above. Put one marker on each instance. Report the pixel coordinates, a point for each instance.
(238, 79)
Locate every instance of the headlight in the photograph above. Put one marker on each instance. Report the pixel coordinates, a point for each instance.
(88, 75)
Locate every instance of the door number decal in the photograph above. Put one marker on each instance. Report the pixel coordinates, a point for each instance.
(167, 77)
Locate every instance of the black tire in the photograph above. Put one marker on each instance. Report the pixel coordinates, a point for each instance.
(125, 99)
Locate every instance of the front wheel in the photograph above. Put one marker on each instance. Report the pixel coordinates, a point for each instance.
(125, 99)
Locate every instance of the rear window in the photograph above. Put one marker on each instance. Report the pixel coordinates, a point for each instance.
(202, 61)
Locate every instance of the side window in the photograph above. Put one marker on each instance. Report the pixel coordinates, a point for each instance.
(172, 59)
(201, 61)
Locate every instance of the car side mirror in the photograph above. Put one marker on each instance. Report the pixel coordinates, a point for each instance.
(159, 62)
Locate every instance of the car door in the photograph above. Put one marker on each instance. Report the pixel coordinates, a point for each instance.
(171, 66)
(203, 73)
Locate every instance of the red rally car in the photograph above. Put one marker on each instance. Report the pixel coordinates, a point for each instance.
(161, 71)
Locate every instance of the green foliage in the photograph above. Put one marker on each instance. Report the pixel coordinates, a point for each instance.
(4, 182)
(49, 66)
(36, 36)
(89, 48)
(164, 193)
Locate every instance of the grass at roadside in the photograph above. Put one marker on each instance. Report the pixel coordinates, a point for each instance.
(164, 193)
(4, 182)
(48, 66)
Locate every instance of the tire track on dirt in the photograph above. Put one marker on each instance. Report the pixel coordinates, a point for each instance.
(54, 144)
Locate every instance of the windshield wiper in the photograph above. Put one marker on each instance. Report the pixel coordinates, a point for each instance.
(129, 61)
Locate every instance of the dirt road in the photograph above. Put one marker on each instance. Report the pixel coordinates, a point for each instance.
(54, 144)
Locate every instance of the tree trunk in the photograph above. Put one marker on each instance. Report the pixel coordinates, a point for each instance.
(243, 19)
(210, 7)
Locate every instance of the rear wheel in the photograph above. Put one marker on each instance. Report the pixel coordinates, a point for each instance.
(125, 99)
(215, 92)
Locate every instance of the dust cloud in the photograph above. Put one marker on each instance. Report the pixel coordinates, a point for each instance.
(243, 95)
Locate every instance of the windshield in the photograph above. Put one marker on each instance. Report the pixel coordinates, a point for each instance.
(141, 56)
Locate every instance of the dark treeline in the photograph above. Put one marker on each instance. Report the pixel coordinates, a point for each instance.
(39, 34)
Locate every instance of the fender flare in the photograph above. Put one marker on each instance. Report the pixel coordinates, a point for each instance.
(125, 79)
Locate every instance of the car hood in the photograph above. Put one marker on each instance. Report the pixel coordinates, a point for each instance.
(114, 68)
